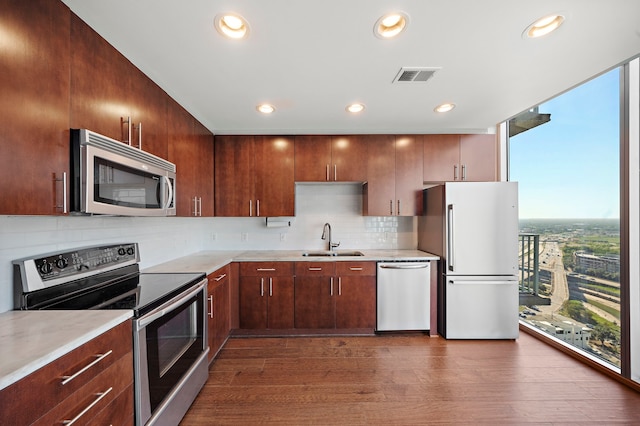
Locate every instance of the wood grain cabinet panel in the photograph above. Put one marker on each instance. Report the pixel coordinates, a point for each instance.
(312, 158)
(266, 295)
(449, 158)
(109, 358)
(324, 158)
(218, 314)
(34, 105)
(254, 176)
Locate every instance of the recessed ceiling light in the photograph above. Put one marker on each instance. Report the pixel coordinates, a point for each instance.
(543, 26)
(265, 108)
(355, 108)
(391, 25)
(444, 107)
(231, 25)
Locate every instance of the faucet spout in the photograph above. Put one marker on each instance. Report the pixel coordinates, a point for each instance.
(326, 234)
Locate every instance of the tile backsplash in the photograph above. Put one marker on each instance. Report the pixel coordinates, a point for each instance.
(163, 239)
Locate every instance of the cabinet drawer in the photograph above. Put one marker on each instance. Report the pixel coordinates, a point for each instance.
(271, 269)
(355, 268)
(219, 277)
(95, 396)
(310, 269)
(20, 404)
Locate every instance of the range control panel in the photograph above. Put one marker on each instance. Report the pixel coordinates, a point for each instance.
(80, 261)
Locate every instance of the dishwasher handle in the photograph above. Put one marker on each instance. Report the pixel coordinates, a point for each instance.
(404, 266)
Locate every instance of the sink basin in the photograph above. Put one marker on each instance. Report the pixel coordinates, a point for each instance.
(332, 253)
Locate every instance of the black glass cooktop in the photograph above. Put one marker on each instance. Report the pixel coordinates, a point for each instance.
(125, 289)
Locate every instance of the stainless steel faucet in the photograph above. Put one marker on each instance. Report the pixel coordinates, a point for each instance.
(326, 233)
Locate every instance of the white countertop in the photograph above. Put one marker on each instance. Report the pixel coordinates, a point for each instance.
(30, 340)
(209, 261)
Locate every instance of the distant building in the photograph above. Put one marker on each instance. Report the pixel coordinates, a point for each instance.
(567, 331)
(599, 263)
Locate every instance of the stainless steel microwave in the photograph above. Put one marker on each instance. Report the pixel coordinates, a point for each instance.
(112, 178)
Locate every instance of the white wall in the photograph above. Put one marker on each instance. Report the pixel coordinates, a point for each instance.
(162, 239)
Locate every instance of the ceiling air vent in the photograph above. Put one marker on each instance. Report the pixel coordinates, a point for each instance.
(414, 75)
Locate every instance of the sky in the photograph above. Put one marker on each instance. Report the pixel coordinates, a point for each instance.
(569, 167)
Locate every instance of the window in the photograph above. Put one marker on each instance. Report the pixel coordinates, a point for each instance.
(565, 154)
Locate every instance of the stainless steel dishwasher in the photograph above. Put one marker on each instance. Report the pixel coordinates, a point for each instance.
(403, 296)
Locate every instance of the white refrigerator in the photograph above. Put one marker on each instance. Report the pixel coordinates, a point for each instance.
(473, 227)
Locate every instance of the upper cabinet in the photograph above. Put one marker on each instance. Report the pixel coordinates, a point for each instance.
(460, 158)
(34, 136)
(191, 149)
(254, 176)
(326, 158)
(394, 176)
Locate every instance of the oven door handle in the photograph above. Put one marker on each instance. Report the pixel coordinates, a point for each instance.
(171, 305)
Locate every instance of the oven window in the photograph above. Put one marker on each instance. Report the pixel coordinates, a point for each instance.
(174, 343)
(120, 185)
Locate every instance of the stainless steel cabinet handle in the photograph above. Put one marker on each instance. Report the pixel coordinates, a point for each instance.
(270, 286)
(464, 172)
(220, 277)
(335, 172)
(261, 287)
(398, 210)
(140, 136)
(88, 407)
(331, 289)
(355, 268)
(195, 206)
(258, 208)
(455, 172)
(250, 208)
(315, 269)
(210, 298)
(391, 207)
(99, 357)
(57, 206)
(339, 286)
(266, 269)
(199, 206)
(327, 172)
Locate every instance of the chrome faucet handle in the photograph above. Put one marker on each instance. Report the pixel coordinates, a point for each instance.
(334, 245)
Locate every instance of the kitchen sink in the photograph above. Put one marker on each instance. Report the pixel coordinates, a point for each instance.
(332, 253)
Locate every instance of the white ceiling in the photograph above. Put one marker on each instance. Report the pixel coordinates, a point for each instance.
(312, 58)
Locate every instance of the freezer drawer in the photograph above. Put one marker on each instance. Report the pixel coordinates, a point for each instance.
(403, 296)
(481, 308)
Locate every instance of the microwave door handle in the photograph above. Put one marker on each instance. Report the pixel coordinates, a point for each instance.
(170, 192)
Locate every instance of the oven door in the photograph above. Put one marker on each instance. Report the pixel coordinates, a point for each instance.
(170, 347)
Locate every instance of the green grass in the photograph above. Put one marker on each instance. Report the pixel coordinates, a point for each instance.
(608, 309)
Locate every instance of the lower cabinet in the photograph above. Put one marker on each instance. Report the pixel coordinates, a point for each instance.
(266, 295)
(335, 295)
(218, 316)
(92, 384)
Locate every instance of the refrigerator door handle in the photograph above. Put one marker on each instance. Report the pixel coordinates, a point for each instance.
(450, 238)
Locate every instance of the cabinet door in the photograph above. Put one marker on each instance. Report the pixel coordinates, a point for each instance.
(234, 165)
(273, 181)
(221, 315)
(409, 175)
(314, 302)
(183, 152)
(204, 143)
(34, 105)
(280, 303)
(356, 302)
(148, 106)
(313, 158)
(478, 158)
(441, 157)
(253, 303)
(380, 190)
(348, 154)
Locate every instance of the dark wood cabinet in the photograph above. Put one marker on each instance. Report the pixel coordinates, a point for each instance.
(191, 149)
(394, 176)
(325, 158)
(450, 158)
(218, 310)
(266, 295)
(254, 176)
(335, 295)
(34, 105)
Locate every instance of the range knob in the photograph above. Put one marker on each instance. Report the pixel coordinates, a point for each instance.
(121, 251)
(130, 251)
(46, 268)
(62, 263)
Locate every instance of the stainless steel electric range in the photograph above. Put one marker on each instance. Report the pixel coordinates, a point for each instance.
(169, 326)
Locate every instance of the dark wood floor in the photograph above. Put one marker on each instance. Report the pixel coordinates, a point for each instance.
(406, 380)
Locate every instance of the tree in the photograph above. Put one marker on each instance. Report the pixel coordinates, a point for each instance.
(601, 332)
